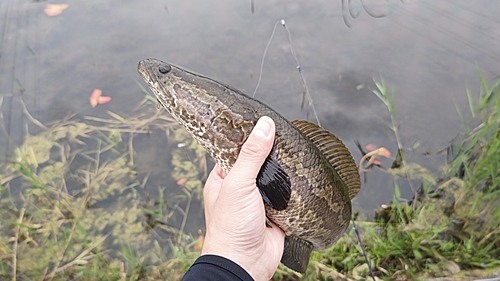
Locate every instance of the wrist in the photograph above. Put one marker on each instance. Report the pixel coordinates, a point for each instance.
(255, 270)
(253, 267)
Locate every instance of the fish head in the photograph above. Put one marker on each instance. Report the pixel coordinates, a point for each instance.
(175, 88)
(219, 117)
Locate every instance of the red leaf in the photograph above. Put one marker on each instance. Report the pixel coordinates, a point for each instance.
(53, 10)
(181, 181)
(96, 98)
(370, 147)
(103, 99)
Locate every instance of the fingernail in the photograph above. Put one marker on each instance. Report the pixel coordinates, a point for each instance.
(262, 128)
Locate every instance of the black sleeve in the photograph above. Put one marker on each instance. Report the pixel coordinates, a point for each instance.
(211, 267)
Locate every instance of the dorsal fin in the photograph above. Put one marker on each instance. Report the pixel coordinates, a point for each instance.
(335, 152)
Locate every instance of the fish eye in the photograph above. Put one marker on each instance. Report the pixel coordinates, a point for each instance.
(164, 68)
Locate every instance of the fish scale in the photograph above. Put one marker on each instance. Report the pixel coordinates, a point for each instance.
(307, 181)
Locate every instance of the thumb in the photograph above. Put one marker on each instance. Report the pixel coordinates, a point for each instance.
(254, 151)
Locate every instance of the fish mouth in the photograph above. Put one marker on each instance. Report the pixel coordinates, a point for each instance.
(141, 68)
(144, 68)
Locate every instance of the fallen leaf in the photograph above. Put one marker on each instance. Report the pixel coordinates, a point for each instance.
(199, 243)
(96, 98)
(370, 147)
(378, 151)
(384, 152)
(372, 156)
(103, 99)
(53, 10)
(181, 181)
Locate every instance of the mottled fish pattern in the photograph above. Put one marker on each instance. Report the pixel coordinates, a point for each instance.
(307, 181)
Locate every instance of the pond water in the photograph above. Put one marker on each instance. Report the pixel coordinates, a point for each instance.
(428, 52)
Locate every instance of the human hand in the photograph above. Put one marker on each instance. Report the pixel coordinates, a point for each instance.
(234, 210)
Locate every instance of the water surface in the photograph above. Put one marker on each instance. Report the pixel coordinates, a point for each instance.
(428, 52)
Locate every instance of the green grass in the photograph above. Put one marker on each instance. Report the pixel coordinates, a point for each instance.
(435, 233)
(73, 206)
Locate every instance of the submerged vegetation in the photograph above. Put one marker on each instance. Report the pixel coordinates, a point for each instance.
(452, 225)
(73, 205)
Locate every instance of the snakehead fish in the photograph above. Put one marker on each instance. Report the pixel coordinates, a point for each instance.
(307, 181)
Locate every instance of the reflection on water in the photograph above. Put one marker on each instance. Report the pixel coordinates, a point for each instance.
(426, 51)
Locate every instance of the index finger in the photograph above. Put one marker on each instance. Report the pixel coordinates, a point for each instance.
(213, 185)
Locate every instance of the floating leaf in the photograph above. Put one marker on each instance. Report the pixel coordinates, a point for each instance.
(372, 156)
(382, 151)
(53, 10)
(96, 98)
(370, 147)
(104, 99)
(181, 181)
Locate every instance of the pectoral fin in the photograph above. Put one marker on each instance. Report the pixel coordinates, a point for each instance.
(274, 184)
(296, 253)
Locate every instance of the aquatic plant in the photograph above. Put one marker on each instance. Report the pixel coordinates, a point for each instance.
(452, 225)
(73, 204)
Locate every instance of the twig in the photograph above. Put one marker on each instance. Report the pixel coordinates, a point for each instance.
(116, 116)
(98, 156)
(14, 265)
(363, 249)
(377, 152)
(65, 248)
(131, 148)
(79, 257)
(9, 178)
(183, 224)
(330, 272)
(2, 124)
(31, 118)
